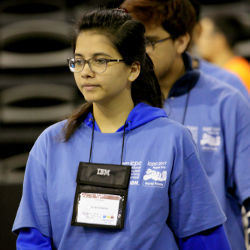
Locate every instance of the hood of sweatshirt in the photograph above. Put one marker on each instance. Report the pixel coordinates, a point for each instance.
(142, 113)
(186, 82)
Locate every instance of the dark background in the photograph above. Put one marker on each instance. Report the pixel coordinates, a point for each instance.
(36, 87)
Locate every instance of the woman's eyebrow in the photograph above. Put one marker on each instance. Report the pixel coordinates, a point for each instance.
(76, 54)
(94, 55)
(101, 54)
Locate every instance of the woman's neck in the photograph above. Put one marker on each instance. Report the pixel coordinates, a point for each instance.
(112, 115)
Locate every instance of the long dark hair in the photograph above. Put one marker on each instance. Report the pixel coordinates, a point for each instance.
(127, 36)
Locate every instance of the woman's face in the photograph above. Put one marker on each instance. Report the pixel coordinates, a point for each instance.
(109, 85)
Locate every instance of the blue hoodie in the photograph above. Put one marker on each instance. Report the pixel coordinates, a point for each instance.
(223, 75)
(169, 193)
(218, 116)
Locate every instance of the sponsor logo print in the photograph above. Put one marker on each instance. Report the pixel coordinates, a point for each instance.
(155, 175)
(135, 171)
(149, 174)
(211, 138)
(103, 172)
(134, 182)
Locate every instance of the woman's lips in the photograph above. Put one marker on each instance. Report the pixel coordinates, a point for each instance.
(89, 87)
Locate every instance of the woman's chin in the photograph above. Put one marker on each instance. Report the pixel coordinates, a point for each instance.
(90, 99)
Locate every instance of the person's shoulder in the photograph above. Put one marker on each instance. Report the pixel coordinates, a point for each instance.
(171, 127)
(223, 75)
(214, 86)
(220, 94)
(207, 66)
(48, 139)
(52, 133)
(55, 128)
(178, 136)
(216, 71)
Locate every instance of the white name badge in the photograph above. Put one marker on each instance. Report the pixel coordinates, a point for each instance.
(99, 209)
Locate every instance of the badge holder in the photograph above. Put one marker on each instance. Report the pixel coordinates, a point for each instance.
(101, 195)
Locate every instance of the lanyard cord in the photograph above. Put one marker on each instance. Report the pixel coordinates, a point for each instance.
(123, 139)
(92, 139)
(185, 108)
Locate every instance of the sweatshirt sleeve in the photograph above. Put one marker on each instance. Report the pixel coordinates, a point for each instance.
(236, 126)
(214, 238)
(193, 204)
(33, 211)
(31, 238)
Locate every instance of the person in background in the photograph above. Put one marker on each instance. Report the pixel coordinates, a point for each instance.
(219, 35)
(208, 67)
(217, 115)
(75, 190)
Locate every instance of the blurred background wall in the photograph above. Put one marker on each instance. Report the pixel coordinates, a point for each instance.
(36, 87)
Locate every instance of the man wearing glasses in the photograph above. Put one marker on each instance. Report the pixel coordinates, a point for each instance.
(216, 114)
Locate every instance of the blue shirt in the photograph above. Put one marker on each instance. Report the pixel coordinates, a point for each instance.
(219, 120)
(214, 238)
(223, 75)
(168, 195)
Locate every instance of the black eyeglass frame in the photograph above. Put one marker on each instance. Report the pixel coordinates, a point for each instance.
(89, 64)
(153, 43)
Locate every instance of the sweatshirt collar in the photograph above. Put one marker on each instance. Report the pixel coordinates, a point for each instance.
(185, 83)
(141, 114)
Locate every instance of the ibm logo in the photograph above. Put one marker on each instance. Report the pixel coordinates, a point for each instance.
(104, 172)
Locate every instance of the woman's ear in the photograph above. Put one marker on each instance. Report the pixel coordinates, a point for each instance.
(181, 43)
(135, 70)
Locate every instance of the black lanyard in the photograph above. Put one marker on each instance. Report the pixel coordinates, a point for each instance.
(185, 84)
(185, 108)
(92, 139)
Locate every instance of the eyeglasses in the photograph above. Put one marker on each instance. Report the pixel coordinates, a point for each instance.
(96, 65)
(152, 43)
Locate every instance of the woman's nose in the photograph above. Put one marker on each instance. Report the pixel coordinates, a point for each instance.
(86, 71)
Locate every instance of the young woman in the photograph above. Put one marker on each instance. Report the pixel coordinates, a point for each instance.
(125, 176)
